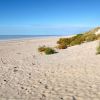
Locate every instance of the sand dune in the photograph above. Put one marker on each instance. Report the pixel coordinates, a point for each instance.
(71, 74)
(98, 32)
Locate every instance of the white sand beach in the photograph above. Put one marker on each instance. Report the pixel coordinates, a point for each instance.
(26, 74)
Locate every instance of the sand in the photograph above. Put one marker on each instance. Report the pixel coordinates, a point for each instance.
(26, 74)
(98, 32)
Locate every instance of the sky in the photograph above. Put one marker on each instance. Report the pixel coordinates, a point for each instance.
(48, 17)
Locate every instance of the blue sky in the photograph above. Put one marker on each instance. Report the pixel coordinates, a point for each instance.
(48, 16)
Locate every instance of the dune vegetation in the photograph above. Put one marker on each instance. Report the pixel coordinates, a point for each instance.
(77, 39)
(46, 50)
(98, 49)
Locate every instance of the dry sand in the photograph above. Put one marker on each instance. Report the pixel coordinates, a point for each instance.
(71, 74)
(98, 32)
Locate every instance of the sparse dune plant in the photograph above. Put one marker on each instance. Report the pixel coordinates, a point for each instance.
(76, 42)
(78, 39)
(98, 49)
(90, 37)
(46, 50)
(42, 48)
(63, 43)
(49, 51)
(62, 46)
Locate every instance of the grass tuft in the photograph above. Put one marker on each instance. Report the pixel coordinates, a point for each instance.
(42, 48)
(49, 51)
(98, 49)
(46, 50)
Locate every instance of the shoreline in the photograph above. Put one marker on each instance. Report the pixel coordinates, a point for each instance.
(34, 38)
(28, 38)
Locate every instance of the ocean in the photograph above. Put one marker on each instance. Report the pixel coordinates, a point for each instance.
(16, 37)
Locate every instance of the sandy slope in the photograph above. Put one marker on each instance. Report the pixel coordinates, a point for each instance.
(98, 32)
(71, 74)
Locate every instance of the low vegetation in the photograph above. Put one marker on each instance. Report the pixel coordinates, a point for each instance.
(62, 46)
(78, 39)
(98, 49)
(90, 37)
(46, 50)
(49, 51)
(41, 48)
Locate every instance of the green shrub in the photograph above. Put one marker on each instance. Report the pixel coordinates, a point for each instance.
(49, 51)
(65, 41)
(78, 35)
(62, 46)
(76, 42)
(90, 37)
(42, 48)
(98, 49)
(78, 39)
(46, 50)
